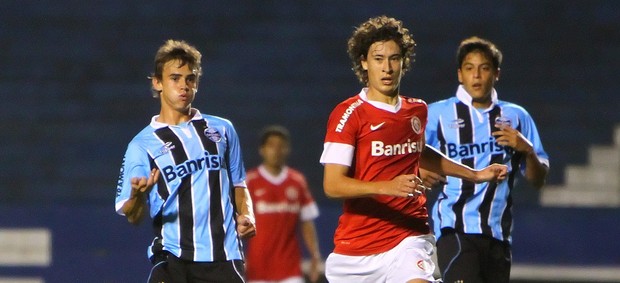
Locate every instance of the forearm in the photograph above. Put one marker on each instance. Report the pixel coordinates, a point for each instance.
(309, 235)
(134, 209)
(435, 161)
(535, 171)
(243, 201)
(337, 185)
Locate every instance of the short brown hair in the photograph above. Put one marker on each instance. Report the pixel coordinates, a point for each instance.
(176, 50)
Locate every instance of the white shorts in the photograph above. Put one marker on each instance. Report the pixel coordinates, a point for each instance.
(410, 259)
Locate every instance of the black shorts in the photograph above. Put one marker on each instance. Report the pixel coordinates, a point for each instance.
(473, 258)
(168, 268)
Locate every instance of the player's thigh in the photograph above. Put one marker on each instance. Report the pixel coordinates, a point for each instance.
(497, 267)
(411, 260)
(232, 271)
(159, 273)
(458, 258)
(355, 269)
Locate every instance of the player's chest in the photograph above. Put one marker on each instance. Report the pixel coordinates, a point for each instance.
(392, 127)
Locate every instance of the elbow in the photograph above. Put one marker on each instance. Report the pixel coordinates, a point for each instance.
(331, 190)
(134, 220)
(539, 184)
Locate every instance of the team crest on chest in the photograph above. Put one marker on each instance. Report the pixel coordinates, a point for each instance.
(291, 193)
(213, 134)
(416, 124)
(501, 122)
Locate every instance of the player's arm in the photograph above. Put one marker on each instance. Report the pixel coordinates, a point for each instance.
(337, 184)
(246, 226)
(535, 170)
(435, 161)
(135, 207)
(308, 233)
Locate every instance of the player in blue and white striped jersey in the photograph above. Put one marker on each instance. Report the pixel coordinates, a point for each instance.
(186, 169)
(473, 222)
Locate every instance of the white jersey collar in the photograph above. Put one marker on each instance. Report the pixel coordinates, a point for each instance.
(464, 97)
(276, 180)
(155, 124)
(387, 107)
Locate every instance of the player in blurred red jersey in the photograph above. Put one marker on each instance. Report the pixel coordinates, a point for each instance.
(283, 207)
(373, 149)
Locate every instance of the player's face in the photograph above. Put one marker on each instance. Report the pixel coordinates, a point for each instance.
(477, 75)
(384, 64)
(178, 86)
(275, 151)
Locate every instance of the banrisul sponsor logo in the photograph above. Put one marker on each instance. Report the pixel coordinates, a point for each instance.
(207, 162)
(379, 148)
(472, 149)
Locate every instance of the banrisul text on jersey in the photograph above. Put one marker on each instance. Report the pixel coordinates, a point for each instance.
(208, 162)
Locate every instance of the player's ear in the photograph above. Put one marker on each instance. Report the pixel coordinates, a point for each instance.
(497, 75)
(364, 63)
(156, 83)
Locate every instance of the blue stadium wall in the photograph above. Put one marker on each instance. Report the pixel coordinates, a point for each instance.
(74, 92)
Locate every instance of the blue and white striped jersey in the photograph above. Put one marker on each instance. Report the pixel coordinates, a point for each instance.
(192, 204)
(463, 133)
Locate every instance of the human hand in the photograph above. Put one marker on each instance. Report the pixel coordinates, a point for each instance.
(246, 228)
(492, 173)
(507, 136)
(408, 185)
(431, 179)
(143, 185)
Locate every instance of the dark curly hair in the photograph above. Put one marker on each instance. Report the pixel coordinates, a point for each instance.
(381, 28)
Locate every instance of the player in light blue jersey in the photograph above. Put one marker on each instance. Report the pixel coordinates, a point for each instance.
(473, 222)
(185, 168)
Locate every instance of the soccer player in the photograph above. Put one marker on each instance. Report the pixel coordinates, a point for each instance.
(373, 148)
(185, 169)
(284, 208)
(473, 222)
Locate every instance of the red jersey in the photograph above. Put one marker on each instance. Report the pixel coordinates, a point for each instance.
(281, 203)
(378, 142)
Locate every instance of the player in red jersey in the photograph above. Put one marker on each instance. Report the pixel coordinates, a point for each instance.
(283, 207)
(373, 149)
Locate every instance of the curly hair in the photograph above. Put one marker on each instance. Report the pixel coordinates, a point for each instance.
(381, 28)
(176, 50)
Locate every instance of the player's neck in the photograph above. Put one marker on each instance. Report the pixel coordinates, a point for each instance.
(274, 170)
(174, 117)
(391, 99)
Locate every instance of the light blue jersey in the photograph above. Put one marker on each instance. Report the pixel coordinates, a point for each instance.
(192, 204)
(463, 133)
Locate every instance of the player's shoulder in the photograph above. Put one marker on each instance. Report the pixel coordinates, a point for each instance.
(512, 107)
(296, 175)
(252, 174)
(349, 103)
(216, 120)
(448, 102)
(413, 100)
(143, 136)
